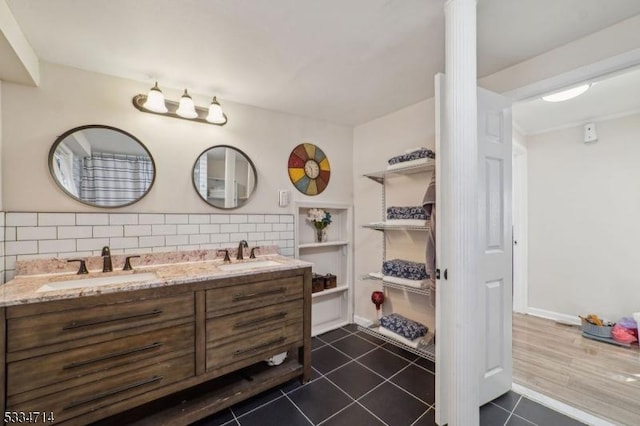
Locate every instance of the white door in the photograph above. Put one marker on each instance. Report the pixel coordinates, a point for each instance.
(494, 251)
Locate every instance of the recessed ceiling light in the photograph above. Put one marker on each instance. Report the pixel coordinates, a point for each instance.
(567, 94)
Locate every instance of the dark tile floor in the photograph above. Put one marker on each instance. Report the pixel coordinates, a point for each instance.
(359, 380)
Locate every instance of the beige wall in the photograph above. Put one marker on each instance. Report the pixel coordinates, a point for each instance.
(584, 230)
(68, 97)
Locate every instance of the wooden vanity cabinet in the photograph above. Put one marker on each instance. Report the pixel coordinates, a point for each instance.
(111, 357)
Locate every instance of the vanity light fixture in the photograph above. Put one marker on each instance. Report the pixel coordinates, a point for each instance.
(155, 103)
(565, 95)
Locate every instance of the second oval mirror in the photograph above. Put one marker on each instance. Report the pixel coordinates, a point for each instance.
(224, 177)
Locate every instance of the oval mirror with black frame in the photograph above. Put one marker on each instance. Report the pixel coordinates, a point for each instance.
(224, 177)
(101, 166)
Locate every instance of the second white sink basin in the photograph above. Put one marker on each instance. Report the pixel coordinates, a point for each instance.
(248, 265)
(97, 281)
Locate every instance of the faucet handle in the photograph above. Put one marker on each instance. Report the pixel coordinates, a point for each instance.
(83, 265)
(127, 263)
(253, 254)
(226, 255)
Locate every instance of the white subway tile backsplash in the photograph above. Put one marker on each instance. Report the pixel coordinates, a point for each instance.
(188, 229)
(56, 246)
(188, 247)
(219, 218)
(210, 246)
(93, 244)
(209, 229)
(238, 236)
(286, 235)
(256, 236)
(199, 218)
(177, 219)
(136, 251)
(271, 218)
(271, 235)
(74, 232)
(10, 233)
(220, 238)
(21, 247)
(151, 219)
(123, 243)
(36, 233)
(238, 218)
(10, 262)
(164, 249)
(229, 228)
(199, 239)
(279, 226)
(123, 219)
(53, 219)
(155, 241)
(286, 252)
(290, 226)
(108, 231)
(247, 227)
(137, 230)
(264, 227)
(286, 218)
(174, 240)
(163, 229)
(92, 219)
(256, 218)
(22, 219)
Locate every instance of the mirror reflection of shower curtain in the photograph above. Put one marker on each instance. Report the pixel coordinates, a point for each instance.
(114, 179)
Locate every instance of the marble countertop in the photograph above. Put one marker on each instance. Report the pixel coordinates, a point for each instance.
(23, 289)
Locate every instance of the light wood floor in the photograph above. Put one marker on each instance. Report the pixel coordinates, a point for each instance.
(598, 378)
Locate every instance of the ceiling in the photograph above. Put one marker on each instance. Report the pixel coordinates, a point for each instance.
(344, 61)
(608, 97)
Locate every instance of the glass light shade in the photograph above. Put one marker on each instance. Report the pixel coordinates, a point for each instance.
(565, 95)
(186, 108)
(155, 100)
(215, 112)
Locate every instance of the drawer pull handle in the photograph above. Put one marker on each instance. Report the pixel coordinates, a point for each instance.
(242, 324)
(257, 348)
(111, 392)
(111, 356)
(75, 324)
(238, 297)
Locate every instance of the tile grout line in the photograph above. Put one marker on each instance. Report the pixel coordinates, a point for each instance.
(259, 406)
(422, 415)
(297, 408)
(511, 413)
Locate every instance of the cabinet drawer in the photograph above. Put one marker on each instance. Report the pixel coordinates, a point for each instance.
(61, 326)
(79, 364)
(78, 400)
(261, 341)
(227, 327)
(227, 300)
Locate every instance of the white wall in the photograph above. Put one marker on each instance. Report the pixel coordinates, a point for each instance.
(68, 97)
(583, 220)
(374, 143)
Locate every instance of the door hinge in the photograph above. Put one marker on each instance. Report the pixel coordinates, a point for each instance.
(437, 274)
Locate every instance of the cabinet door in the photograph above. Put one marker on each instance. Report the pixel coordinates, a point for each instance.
(494, 251)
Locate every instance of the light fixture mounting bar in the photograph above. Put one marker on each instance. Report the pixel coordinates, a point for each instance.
(139, 100)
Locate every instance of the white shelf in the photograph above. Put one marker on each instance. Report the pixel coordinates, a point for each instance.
(416, 290)
(386, 226)
(338, 289)
(325, 244)
(381, 175)
(429, 352)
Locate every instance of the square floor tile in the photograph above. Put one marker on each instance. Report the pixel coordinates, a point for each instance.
(353, 346)
(351, 328)
(542, 415)
(278, 413)
(492, 415)
(291, 385)
(327, 358)
(427, 419)
(418, 382)
(336, 334)
(370, 338)
(519, 421)
(394, 406)
(399, 351)
(382, 362)
(316, 343)
(508, 400)
(425, 363)
(256, 401)
(218, 419)
(355, 379)
(353, 415)
(319, 400)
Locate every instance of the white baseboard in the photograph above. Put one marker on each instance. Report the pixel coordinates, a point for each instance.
(558, 317)
(560, 407)
(362, 321)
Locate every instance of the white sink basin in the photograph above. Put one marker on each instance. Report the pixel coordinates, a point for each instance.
(97, 281)
(248, 265)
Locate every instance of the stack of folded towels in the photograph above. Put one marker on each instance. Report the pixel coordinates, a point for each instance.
(406, 331)
(411, 157)
(411, 215)
(405, 272)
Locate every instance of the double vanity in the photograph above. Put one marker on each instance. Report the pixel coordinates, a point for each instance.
(179, 337)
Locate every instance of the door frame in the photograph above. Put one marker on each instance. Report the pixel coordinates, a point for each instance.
(520, 228)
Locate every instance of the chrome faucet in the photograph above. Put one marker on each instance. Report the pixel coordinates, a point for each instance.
(106, 259)
(242, 245)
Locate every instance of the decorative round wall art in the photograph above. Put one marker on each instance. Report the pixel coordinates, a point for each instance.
(309, 169)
